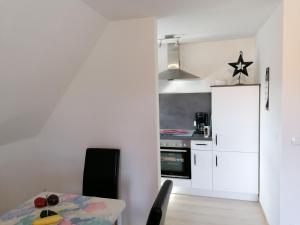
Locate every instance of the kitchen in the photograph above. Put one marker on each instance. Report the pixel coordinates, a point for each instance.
(84, 73)
(209, 119)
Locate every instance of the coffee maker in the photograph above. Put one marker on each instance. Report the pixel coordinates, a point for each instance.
(201, 120)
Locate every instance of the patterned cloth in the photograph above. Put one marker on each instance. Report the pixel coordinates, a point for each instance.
(75, 209)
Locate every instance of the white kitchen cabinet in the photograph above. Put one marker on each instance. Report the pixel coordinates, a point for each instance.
(228, 167)
(202, 170)
(201, 145)
(235, 172)
(235, 118)
(235, 128)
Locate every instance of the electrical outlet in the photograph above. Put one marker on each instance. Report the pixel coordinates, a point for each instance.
(295, 140)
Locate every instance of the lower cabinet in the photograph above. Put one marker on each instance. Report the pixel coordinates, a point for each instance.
(235, 172)
(202, 169)
(223, 174)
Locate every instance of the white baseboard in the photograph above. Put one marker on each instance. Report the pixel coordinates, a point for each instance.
(184, 186)
(215, 194)
(186, 183)
(263, 211)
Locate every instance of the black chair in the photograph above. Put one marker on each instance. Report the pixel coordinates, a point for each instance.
(158, 211)
(101, 170)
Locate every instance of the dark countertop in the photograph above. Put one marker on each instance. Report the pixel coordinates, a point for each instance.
(194, 137)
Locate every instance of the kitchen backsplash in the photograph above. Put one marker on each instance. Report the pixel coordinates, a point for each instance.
(177, 111)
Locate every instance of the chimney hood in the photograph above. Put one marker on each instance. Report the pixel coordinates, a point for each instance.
(174, 72)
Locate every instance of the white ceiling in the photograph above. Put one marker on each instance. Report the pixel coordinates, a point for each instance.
(194, 19)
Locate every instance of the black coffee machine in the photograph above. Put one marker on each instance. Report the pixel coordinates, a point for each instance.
(201, 119)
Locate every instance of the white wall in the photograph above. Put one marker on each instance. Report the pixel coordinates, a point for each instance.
(184, 86)
(209, 60)
(43, 44)
(269, 50)
(20, 173)
(111, 103)
(290, 182)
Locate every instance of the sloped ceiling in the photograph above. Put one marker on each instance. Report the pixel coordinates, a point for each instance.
(194, 19)
(42, 45)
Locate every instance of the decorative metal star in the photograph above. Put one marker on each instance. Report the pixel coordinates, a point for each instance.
(240, 67)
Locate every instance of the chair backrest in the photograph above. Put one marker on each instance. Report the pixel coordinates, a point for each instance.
(101, 170)
(158, 211)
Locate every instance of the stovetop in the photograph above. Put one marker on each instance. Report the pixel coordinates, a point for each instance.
(181, 134)
(176, 133)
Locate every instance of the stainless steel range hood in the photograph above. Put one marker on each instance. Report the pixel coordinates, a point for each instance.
(174, 72)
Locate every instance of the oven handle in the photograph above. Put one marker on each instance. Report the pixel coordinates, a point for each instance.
(172, 150)
(176, 176)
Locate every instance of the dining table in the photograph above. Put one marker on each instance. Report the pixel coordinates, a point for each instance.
(74, 209)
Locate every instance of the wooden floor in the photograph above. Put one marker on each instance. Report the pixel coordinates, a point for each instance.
(191, 210)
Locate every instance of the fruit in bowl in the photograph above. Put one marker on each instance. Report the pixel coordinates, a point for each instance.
(49, 220)
(46, 213)
(52, 200)
(40, 202)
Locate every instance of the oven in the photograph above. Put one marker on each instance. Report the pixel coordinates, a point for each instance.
(175, 158)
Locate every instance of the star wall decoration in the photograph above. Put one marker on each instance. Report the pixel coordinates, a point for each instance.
(240, 67)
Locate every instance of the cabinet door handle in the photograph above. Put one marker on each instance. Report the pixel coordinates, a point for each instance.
(216, 161)
(195, 160)
(216, 139)
(201, 144)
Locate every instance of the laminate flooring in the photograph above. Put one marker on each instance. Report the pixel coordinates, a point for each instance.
(192, 210)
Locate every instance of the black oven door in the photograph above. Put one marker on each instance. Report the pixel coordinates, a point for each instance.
(175, 162)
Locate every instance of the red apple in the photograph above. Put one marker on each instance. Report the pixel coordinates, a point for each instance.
(40, 202)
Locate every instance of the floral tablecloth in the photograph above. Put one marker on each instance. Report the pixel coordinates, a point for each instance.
(75, 209)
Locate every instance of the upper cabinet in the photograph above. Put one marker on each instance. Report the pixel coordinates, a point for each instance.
(235, 118)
